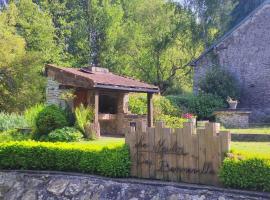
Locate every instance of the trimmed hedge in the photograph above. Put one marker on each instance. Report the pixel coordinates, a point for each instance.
(248, 173)
(86, 158)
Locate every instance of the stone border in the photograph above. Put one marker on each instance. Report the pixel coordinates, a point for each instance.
(250, 137)
(255, 194)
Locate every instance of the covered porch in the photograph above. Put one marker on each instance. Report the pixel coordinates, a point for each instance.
(106, 92)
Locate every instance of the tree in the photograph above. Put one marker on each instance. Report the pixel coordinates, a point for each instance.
(20, 80)
(242, 9)
(37, 28)
(213, 15)
(154, 43)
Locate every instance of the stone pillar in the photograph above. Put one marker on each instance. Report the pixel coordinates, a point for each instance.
(96, 105)
(150, 109)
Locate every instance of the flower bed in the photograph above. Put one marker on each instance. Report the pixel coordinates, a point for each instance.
(113, 161)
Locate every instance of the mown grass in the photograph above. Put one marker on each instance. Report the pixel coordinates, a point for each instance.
(251, 149)
(256, 130)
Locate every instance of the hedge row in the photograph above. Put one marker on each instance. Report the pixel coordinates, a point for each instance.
(246, 173)
(30, 155)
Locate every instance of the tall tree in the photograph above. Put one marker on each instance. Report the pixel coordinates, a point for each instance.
(20, 82)
(213, 16)
(154, 43)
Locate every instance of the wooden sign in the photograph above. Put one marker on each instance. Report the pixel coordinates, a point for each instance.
(186, 155)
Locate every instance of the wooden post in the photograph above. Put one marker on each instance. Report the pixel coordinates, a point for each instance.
(96, 104)
(149, 109)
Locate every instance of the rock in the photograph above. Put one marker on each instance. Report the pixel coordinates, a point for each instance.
(221, 198)
(57, 187)
(74, 188)
(27, 186)
(29, 195)
(174, 197)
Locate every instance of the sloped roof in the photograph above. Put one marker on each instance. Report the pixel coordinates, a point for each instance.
(230, 32)
(103, 80)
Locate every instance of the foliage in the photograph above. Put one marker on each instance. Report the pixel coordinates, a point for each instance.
(49, 119)
(14, 135)
(66, 134)
(171, 121)
(12, 121)
(138, 105)
(18, 65)
(251, 149)
(83, 116)
(113, 162)
(202, 105)
(31, 114)
(220, 82)
(36, 27)
(241, 9)
(249, 173)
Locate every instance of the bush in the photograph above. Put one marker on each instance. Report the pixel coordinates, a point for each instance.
(66, 134)
(220, 82)
(49, 119)
(12, 121)
(31, 114)
(114, 162)
(172, 122)
(138, 105)
(202, 105)
(83, 115)
(250, 173)
(14, 135)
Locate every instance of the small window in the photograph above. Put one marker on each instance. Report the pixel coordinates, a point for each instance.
(107, 104)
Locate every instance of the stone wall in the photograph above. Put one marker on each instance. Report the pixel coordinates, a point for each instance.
(53, 186)
(233, 118)
(245, 53)
(53, 93)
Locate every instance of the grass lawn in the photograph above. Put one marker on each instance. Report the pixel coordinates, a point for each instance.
(262, 130)
(257, 149)
(104, 142)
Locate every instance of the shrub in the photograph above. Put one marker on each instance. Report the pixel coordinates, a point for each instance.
(162, 105)
(113, 162)
(49, 119)
(250, 173)
(172, 122)
(66, 134)
(12, 121)
(31, 114)
(137, 104)
(202, 105)
(14, 135)
(83, 115)
(220, 82)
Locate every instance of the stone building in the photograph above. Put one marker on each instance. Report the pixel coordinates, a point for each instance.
(245, 52)
(106, 92)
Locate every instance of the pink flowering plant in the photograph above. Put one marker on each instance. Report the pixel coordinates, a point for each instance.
(188, 116)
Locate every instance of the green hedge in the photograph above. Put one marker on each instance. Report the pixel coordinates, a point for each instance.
(86, 158)
(246, 173)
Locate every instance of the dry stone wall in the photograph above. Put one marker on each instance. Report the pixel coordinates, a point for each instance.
(55, 186)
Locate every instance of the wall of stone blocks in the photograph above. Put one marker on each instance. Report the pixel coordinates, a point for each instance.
(246, 54)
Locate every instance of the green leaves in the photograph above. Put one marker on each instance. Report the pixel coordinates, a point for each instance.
(49, 119)
(113, 162)
(66, 134)
(248, 173)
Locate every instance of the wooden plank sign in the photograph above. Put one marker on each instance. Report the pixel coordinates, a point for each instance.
(184, 154)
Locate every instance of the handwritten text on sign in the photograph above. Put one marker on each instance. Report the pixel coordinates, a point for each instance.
(187, 154)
